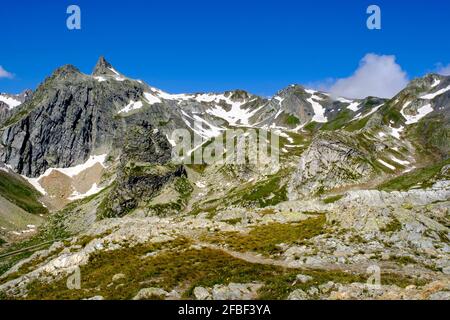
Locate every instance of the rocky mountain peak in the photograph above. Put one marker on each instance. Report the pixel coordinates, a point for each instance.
(66, 71)
(3, 107)
(25, 95)
(240, 95)
(428, 81)
(104, 68)
(292, 90)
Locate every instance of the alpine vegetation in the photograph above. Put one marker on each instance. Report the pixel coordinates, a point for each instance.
(111, 188)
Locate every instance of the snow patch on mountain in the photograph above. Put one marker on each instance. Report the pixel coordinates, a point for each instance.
(421, 112)
(279, 99)
(387, 165)
(343, 100)
(395, 132)
(210, 131)
(319, 110)
(404, 107)
(200, 126)
(133, 105)
(35, 183)
(11, 102)
(375, 109)
(100, 79)
(172, 142)
(70, 172)
(236, 115)
(278, 113)
(73, 171)
(151, 98)
(354, 106)
(114, 70)
(399, 161)
(436, 83)
(431, 96)
(168, 96)
(210, 97)
(284, 135)
(104, 78)
(78, 196)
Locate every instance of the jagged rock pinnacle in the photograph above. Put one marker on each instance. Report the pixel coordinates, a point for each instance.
(103, 68)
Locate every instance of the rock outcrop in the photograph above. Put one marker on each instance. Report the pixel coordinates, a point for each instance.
(232, 291)
(144, 169)
(71, 116)
(4, 112)
(333, 160)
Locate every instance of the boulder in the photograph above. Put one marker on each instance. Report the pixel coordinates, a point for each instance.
(298, 295)
(151, 293)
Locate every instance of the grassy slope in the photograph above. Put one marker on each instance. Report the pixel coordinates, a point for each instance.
(425, 177)
(184, 267)
(13, 217)
(20, 193)
(433, 134)
(265, 239)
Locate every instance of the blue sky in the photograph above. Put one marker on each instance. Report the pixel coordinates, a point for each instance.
(189, 46)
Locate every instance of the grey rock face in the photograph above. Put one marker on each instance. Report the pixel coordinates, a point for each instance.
(73, 115)
(137, 184)
(4, 112)
(144, 143)
(144, 170)
(25, 96)
(70, 116)
(374, 198)
(103, 68)
(425, 83)
(372, 210)
(331, 161)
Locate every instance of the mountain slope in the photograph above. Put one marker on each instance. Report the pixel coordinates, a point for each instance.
(72, 117)
(21, 211)
(358, 182)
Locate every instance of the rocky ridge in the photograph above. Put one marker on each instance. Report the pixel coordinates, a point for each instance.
(362, 185)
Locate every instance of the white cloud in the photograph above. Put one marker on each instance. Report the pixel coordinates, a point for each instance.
(444, 70)
(377, 75)
(5, 74)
